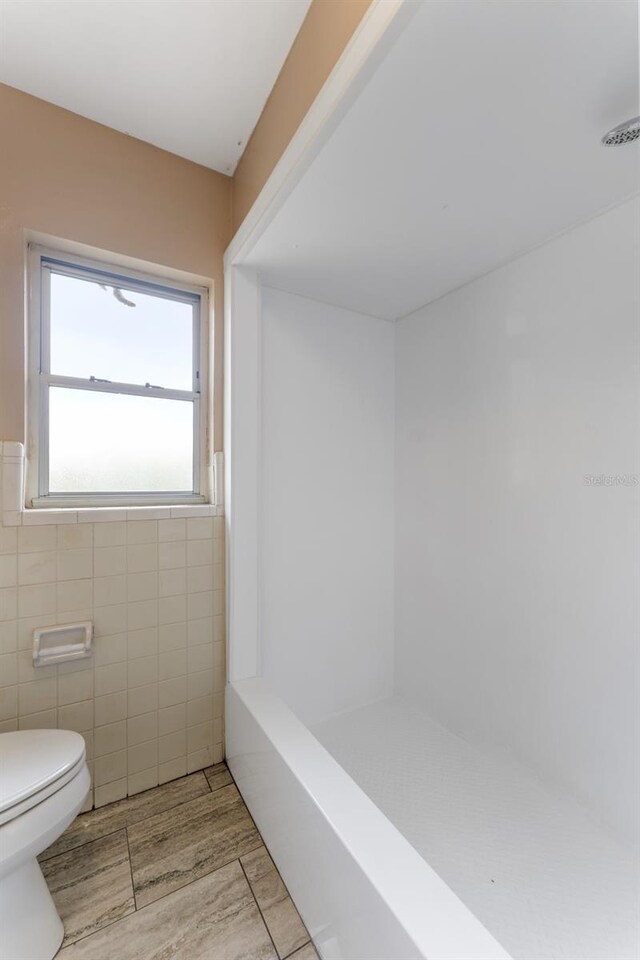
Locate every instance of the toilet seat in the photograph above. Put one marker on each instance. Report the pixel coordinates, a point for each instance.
(44, 781)
(34, 764)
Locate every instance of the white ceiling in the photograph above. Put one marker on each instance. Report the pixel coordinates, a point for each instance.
(190, 76)
(477, 138)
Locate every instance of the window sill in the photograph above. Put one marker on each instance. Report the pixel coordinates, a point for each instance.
(32, 516)
(15, 514)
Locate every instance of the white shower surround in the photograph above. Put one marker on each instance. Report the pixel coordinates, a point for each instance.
(349, 407)
(358, 883)
(360, 886)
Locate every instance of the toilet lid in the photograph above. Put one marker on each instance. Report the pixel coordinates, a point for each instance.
(31, 760)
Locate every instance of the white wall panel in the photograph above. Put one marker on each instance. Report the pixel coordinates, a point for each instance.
(327, 504)
(517, 580)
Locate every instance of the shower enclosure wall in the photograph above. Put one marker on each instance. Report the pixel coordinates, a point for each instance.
(433, 600)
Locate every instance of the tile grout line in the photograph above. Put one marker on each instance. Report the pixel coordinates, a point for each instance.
(195, 880)
(268, 852)
(310, 940)
(111, 923)
(301, 947)
(136, 908)
(142, 819)
(92, 933)
(133, 886)
(259, 844)
(273, 864)
(166, 896)
(255, 900)
(176, 806)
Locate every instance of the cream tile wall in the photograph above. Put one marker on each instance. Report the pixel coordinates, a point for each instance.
(150, 702)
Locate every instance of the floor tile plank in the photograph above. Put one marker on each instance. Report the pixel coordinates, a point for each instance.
(180, 845)
(214, 917)
(218, 776)
(91, 885)
(280, 915)
(123, 813)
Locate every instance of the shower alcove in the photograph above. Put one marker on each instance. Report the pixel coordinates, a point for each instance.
(432, 498)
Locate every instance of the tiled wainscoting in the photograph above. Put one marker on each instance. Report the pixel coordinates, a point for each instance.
(149, 703)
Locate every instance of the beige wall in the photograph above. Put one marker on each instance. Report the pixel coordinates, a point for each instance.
(325, 32)
(66, 176)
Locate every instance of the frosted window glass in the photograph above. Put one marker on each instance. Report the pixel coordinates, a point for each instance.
(109, 443)
(94, 332)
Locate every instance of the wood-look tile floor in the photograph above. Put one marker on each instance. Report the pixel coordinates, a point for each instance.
(177, 873)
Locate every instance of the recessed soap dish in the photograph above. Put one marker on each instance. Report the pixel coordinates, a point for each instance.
(68, 641)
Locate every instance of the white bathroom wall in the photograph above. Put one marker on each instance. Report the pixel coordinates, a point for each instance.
(327, 504)
(517, 576)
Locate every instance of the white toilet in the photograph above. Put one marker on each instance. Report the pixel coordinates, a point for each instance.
(43, 783)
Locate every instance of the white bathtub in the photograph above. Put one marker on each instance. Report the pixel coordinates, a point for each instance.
(406, 841)
(362, 889)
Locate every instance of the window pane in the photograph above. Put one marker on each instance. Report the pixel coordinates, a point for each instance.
(108, 443)
(117, 334)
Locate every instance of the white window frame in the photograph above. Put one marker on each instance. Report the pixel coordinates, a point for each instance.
(42, 261)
